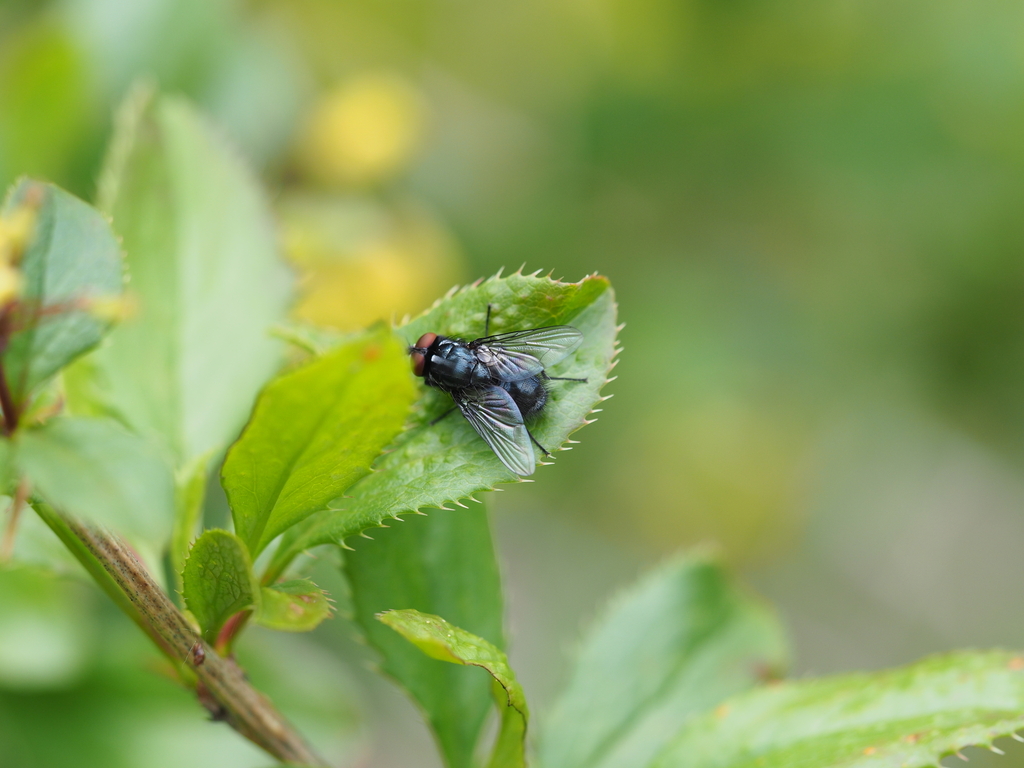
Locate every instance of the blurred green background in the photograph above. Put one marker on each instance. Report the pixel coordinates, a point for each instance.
(812, 214)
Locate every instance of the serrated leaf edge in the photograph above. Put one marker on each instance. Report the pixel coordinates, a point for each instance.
(565, 445)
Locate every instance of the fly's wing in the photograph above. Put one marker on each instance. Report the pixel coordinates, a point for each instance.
(496, 418)
(521, 354)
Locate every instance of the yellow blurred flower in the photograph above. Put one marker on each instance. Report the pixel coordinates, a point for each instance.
(10, 282)
(16, 229)
(361, 262)
(363, 131)
(114, 309)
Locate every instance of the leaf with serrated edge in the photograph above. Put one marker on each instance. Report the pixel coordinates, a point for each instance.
(441, 640)
(314, 432)
(190, 493)
(206, 274)
(908, 717)
(669, 648)
(442, 564)
(218, 580)
(428, 466)
(97, 470)
(293, 606)
(72, 260)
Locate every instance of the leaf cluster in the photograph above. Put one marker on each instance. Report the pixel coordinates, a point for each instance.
(119, 403)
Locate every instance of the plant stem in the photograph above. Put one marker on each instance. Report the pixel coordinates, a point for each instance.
(9, 412)
(62, 527)
(221, 686)
(11, 528)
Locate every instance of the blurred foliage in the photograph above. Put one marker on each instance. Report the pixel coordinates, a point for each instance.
(677, 643)
(76, 661)
(810, 210)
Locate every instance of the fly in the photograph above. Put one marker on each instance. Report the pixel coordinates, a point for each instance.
(498, 382)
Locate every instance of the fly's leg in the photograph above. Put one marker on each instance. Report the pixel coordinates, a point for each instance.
(560, 378)
(487, 322)
(544, 450)
(435, 421)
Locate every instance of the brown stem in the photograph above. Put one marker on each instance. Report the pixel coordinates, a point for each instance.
(11, 529)
(9, 412)
(222, 687)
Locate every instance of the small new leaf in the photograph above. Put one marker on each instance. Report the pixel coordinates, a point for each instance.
(909, 717)
(313, 433)
(293, 606)
(71, 261)
(190, 492)
(218, 581)
(443, 641)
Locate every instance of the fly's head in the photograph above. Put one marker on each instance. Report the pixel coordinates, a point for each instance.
(422, 351)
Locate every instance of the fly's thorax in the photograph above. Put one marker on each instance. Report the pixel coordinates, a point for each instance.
(451, 364)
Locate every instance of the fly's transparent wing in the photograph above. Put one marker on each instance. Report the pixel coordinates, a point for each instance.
(522, 354)
(496, 418)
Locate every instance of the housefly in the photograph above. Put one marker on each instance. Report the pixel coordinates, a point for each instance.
(498, 382)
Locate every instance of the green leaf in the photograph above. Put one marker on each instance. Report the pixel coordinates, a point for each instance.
(908, 717)
(190, 493)
(71, 260)
(669, 648)
(204, 267)
(431, 465)
(443, 641)
(314, 339)
(6, 466)
(442, 564)
(96, 470)
(218, 580)
(293, 606)
(313, 433)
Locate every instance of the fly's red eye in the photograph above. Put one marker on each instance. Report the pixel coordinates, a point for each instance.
(419, 360)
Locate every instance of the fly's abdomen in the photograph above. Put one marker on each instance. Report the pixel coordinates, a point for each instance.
(529, 394)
